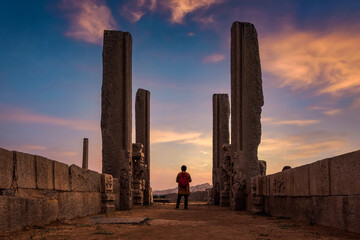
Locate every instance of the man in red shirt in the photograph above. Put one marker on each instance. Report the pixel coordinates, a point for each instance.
(183, 179)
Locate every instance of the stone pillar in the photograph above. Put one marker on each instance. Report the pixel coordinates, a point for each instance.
(116, 123)
(221, 113)
(85, 160)
(246, 102)
(142, 123)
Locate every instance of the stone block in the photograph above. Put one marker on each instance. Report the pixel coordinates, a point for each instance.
(344, 174)
(107, 207)
(277, 184)
(70, 205)
(6, 166)
(17, 210)
(78, 204)
(33, 213)
(25, 170)
(302, 208)
(352, 213)
(82, 180)
(107, 183)
(301, 181)
(50, 211)
(288, 182)
(92, 203)
(4, 212)
(329, 211)
(44, 173)
(61, 177)
(319, 178)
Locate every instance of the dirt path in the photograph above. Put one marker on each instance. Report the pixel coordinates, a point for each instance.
(199, 222)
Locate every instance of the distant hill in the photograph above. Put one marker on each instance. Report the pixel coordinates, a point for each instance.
(200, 187)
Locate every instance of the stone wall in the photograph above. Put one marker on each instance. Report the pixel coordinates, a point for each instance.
(326, 192)
(35, 190)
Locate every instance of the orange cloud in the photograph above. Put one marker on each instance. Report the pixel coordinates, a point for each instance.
(300, 123)
(180, 8)
(328, 62)
(134, 10)
(326, 111)
(88, 19)
(300, 149)
(213, 58)
(20, 115)
(158, 136)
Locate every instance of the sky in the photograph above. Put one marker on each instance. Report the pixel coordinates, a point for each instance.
(51, 75)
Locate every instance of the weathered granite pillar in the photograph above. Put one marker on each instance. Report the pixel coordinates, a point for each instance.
(116, 123)
(142, 123)
(138, 171)
(85, 160)
(221, 113)
(246, 102)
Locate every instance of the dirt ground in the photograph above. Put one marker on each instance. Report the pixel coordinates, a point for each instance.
(163, 221)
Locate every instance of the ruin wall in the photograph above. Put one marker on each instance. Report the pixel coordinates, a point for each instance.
(35, 190)
(326, 192)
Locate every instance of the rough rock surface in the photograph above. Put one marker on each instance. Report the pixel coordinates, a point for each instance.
(221, 114)
(246, 102)
(142, 123)
(116, 110)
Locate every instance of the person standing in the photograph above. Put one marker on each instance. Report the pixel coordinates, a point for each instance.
(183, 179)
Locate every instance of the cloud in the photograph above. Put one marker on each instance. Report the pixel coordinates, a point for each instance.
(180, 8)
(303, 147)
(23, 116)
(135, 9)
(300, 123)
(158, 136)
(296, 122)
(213, 58)
(88, 19)
(326, 111)
(191, 34)
(34, 147)
(204, 20)
(196, 138)
(327, 61)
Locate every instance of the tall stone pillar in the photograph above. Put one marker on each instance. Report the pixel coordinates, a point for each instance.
(116, 123)
(85, 161)
(246, 102)
(142, 123)
(221, 113)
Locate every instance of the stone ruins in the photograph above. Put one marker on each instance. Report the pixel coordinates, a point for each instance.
(35, 190)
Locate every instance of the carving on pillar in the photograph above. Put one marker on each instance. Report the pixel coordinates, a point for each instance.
(107, 195)
(138, 173)
(225, 175)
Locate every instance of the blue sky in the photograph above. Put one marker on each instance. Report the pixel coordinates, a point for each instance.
(51, 73)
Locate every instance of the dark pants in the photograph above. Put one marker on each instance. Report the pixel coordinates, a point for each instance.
(179, 199)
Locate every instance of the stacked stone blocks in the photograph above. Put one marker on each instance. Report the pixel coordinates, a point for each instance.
(325, 192)
(35, 190)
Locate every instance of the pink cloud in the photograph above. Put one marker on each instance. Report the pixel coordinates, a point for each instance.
(180, 8)
(213, 58)
(326, 61)
(135, 9)
(191, 34)
(23, 116)
(88, 19)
